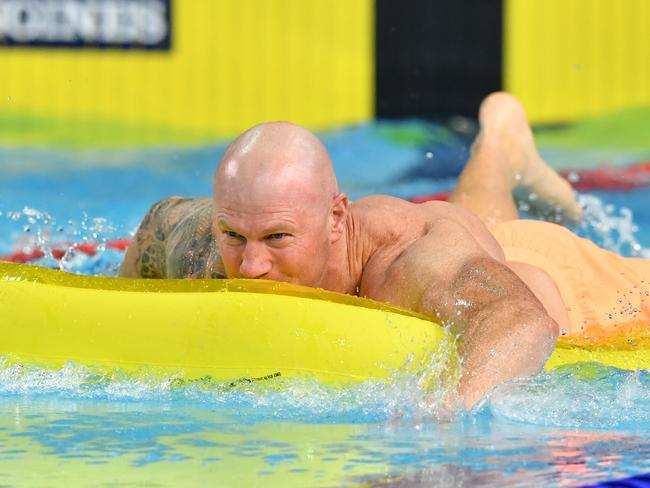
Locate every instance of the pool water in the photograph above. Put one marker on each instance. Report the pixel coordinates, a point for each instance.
(569, 427)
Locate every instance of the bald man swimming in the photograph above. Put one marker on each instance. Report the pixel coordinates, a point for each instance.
(277, 213)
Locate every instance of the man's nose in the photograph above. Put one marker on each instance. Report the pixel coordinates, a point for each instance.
(255, 262)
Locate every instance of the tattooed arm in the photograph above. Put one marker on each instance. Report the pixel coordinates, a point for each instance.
(174, 240)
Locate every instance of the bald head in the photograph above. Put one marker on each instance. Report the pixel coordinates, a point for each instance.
(278, 157)
(277, 210)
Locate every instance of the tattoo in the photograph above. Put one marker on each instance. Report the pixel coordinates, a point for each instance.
(167, 216)
(175, 241)
(190, 244)
(151, 261)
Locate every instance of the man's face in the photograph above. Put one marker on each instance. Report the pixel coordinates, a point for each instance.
(272, 238)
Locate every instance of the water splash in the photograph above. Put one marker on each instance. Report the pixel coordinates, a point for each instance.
(586, 395)
(610, 227)
(32, 230)
(405, 396)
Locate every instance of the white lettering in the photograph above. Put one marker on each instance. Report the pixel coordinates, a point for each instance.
(153, 24)
(87, 22)
(4, 20)
(107, 22)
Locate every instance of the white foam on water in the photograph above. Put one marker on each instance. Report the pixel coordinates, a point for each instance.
(611, 227)
(588, 395)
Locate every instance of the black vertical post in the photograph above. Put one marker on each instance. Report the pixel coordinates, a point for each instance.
(436, 57)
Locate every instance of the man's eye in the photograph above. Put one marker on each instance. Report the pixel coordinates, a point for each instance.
(232, 234)
(277, 236)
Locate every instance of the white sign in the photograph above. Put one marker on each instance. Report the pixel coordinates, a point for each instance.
(86, 23)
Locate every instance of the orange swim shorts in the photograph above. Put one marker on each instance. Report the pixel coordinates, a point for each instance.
(604, 294)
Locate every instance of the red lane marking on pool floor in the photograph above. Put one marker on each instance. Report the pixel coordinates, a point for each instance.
(603, 178)
(89, 248)
(610, 178)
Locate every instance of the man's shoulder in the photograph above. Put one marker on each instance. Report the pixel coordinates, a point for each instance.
(385, 210)
(401, 223)
(380, 201)
(386, 224)
(390, 225)
(378, 207)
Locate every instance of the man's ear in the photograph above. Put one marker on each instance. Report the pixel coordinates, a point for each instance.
(338, 215)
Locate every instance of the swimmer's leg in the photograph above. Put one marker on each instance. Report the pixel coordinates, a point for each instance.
(504, 159)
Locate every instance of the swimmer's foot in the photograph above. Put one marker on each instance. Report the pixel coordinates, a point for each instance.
(506, 135)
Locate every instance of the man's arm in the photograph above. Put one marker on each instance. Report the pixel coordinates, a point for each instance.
(505, 333)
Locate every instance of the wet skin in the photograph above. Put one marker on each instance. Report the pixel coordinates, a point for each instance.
(464, 278)
(277, 213)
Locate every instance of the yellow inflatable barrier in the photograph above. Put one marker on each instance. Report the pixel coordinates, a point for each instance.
(224, 329)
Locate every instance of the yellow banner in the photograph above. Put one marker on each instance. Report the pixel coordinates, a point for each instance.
(568, 59)
(232, 64)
